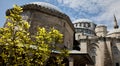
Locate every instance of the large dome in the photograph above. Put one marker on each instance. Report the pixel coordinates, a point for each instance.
(84, 26)
(46, 5)
(82, 20)
(84, 23)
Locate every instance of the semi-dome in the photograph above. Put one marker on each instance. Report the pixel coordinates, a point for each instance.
(114, 33)
(46, 5)
(43, 7)
(82, 20)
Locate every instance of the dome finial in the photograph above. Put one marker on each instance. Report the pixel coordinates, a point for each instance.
(115, 23)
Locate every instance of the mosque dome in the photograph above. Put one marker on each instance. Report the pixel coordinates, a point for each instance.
(84, 23)
(82, 20)
(84, 26)
(43, 7)
(46, 5)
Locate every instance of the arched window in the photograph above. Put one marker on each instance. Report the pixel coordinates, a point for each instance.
(78, 36)
(115, 50)
(84, 24)
(76, 25)
(80, 24)
(89, 25)
(93, 53)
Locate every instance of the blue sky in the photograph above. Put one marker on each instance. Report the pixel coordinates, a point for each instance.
(99, 11)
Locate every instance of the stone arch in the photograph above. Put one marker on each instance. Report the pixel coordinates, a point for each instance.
(115, 50)
(93, 45)
(93, 53)
(93, 49)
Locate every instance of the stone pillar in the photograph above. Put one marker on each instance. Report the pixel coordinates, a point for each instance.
(71, 61)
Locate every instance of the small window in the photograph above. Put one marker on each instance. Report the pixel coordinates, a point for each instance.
(93, 51)
(76, 30)
(89, 25)
(115, 50)
(117, 64)
(78, 36)
(93, 58)
(79, 30)
(93, 54)
(80, 24)
(63, 24)
(84, 25)
(76, 25)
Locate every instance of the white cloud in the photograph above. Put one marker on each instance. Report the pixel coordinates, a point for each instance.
(110, 10)
(84, 5)
(101, 11)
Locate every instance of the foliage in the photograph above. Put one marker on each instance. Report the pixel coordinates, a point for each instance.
(19, 48)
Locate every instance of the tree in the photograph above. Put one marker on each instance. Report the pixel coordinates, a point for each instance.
(19, 48)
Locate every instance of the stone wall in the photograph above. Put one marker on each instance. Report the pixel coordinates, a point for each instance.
(37, 18)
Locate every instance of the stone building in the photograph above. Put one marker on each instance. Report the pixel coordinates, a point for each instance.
(47, 15)
(103, 46)
(88, 44)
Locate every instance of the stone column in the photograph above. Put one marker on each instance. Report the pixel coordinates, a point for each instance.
(71, 61)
